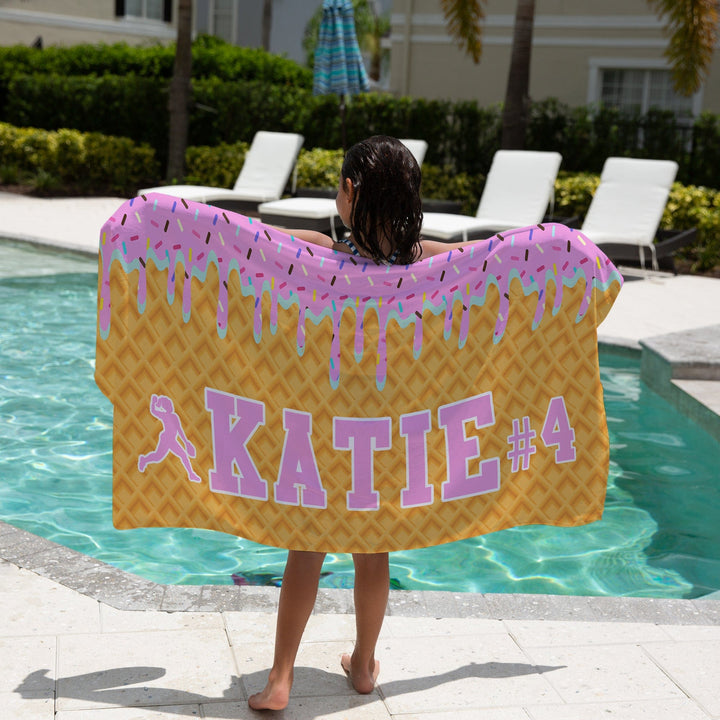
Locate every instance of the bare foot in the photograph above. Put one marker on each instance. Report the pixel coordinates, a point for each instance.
(275, 696)
(362, 679)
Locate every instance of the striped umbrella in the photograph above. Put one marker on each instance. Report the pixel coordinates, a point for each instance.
(339, 67)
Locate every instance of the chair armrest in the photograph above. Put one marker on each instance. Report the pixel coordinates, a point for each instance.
(573, 221)
(671, 240)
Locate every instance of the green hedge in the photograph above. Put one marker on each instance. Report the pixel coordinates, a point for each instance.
(122, 90)
(211, 57)
(74, 162)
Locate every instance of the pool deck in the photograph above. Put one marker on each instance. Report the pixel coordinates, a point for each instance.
(80, 640)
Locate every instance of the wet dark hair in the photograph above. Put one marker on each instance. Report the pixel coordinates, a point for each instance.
(386, 177)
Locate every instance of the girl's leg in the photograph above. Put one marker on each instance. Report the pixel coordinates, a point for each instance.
(372, 585)
(297, 598)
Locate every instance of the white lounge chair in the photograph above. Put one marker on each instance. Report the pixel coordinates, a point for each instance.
(627, 207)
(268, 164)
(319, 213)
(518, 189)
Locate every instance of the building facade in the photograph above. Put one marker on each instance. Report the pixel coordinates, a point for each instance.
(583, 53)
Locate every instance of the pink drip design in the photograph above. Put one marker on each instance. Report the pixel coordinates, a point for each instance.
(186, 237)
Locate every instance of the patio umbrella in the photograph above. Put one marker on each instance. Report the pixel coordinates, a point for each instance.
(339, 67)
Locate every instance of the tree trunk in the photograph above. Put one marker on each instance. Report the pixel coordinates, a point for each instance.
(179, 98)
(267, 23)
(517, 100)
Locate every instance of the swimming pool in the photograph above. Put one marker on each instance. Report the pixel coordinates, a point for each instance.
(659, 537)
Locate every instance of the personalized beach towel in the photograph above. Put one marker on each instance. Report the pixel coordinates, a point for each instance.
(307, 399)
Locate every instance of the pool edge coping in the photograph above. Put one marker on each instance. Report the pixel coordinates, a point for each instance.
(122, 590)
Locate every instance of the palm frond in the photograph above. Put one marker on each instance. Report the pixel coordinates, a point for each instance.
(463, 19)
(692, 27)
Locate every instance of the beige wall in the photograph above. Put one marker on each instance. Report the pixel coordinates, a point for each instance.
(571, 39)
(68, 22)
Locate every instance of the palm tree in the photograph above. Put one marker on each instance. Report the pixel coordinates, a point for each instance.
(180, 92)
(267, 23)
(692, 26)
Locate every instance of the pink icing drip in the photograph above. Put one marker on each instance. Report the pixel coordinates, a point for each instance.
(189, 236)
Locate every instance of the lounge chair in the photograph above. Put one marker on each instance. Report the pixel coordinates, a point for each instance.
(268, 164)
(318, 213)
(518, 190)
(626, 209)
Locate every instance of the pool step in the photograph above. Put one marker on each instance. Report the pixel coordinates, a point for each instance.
(684, 368)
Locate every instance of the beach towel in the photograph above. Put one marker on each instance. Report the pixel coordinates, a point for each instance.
(311, 400)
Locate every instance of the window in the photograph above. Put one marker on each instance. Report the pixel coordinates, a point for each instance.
(640, 90)
(160, 10)
(224, 20)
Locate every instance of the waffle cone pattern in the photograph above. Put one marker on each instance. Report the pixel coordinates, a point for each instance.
(306, 399)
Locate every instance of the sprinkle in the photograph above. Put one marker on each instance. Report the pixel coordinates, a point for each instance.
(314, 295)
(412, 275)
(104, 237)
(197, 212)
(207, 238)
(304, 269)
(215, 219)
(399, 282)
(554, 268)
(249, 253)
(568, 246)
(455, 268)
(272, 284)
(580, 238)
(370, 280)
(442, 276)
(262, 254)
(124, 218)
(484, 265)
(167, 224)
(332, 282)
(189, 254)
(539, 247)
(291, 269)
(527, 252)
(222, 241)
(347, 279)
(598, 263)
(226, 218)
(142, 262)
(267, 235)
(137, 215)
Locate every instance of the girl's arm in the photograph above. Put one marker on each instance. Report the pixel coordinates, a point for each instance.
(311, 236)
(435, 247)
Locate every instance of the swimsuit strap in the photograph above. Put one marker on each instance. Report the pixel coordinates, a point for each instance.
(347, 240)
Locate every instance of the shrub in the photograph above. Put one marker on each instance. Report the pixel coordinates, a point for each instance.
(218, 166)
(89, 163)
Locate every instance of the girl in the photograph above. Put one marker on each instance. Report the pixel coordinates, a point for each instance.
(379, 202)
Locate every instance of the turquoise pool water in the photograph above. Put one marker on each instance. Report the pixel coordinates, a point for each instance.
(659, 537)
